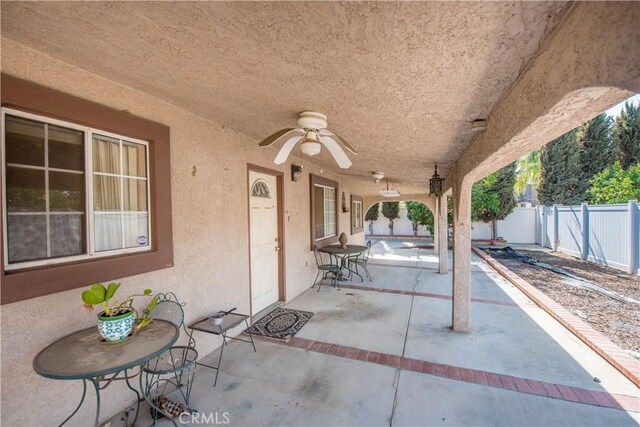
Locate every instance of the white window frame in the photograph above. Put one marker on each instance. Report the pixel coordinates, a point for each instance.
(335, 210)
(88, 174)
(359, 222)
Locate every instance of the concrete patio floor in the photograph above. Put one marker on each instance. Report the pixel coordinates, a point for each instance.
(405, 311)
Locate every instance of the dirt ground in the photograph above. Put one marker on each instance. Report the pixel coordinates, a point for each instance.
(618, 320)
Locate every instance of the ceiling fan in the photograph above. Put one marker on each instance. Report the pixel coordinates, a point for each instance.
(313, 133)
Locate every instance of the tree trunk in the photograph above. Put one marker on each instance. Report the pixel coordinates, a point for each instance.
(415, 228)
(391, 227)
(370, 227)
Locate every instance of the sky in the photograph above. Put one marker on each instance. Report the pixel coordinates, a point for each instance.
(615, 110)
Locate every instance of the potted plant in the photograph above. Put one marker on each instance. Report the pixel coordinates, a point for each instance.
(116, 320)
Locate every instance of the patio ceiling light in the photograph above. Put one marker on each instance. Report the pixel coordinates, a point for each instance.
(435, 183)
(389, 193)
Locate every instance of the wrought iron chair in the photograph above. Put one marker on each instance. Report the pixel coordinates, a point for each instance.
(325, 269)
(166, 372)
(361, 260)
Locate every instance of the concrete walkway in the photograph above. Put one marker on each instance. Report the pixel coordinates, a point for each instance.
(382, 353)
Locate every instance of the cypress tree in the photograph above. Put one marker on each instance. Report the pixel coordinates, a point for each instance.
(626, 135)
(560, 171)
(595, 151)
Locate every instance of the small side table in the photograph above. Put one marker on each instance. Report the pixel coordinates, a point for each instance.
(230, 321)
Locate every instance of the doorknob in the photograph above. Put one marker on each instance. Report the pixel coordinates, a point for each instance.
(277, 248)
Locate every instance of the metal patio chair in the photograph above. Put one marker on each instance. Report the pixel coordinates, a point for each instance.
(361, 260)
(325, 269)
(174, 369)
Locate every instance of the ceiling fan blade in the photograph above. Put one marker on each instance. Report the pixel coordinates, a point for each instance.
(346, 145)
(284, 152)
(336, 151)
(276, 136)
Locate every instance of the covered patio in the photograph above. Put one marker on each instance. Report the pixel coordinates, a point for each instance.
(382, 353)
(130, 153)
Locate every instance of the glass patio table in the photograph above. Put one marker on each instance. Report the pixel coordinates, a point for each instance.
(86, 356)
(344, 254)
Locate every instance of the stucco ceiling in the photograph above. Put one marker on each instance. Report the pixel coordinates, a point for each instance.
(401, 82)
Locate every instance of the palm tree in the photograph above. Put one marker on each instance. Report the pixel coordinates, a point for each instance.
(527, 172)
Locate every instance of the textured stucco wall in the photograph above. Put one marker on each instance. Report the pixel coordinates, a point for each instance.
(209, 234)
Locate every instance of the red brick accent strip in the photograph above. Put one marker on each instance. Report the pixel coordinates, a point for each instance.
(473, 376)
(602, 345)
(425, 294)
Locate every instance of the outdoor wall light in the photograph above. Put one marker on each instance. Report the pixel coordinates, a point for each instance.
(435, 184)
(296, 173)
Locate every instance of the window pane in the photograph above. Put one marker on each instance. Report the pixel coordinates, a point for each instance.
(329, 212)
(27, 236)
(67, 235)
(108, 231)
(106, 193)
(136, 230)
(134, 159)
(66, 192)
(25, 190)
(135, 194)
(319, 211)
(66, 148)
(24, 141)
(106, 154)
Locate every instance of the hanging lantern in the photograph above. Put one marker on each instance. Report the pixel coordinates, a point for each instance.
(435, 183)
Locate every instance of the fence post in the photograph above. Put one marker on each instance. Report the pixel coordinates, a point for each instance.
(584, 208)
(633, 220)
(544, 223)
(554, 242)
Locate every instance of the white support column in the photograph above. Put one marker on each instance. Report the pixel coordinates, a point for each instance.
(554, 235)
(585, 230)
(634, 235)
(461, 311)
(435, 229)
(442, 234)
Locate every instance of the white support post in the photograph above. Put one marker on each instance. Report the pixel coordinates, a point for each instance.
(634, 235)
(554, 242)
(584, 208)
(443, 235)
(543, 223)
(435, 228)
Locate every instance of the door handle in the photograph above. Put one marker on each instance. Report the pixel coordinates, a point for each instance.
(277, 248)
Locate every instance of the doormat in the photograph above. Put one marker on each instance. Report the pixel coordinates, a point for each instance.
(281, 324)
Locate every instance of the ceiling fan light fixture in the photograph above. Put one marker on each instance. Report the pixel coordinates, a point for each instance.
(310, 147)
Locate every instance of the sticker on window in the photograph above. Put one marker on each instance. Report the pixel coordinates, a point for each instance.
(142, 240)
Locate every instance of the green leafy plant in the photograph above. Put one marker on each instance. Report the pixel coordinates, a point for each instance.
(391, 211)
(372, 216)
(99, 294)
(615, 184)
(419, 214)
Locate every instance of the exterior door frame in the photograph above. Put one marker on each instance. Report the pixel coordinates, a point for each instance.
(280, 215)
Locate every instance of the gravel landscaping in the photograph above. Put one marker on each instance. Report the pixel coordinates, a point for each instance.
(617, 319)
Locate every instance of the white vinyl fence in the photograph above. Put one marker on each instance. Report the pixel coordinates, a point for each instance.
(518, 227)
(605, 234)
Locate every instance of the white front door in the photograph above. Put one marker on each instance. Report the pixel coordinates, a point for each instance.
(263, 207)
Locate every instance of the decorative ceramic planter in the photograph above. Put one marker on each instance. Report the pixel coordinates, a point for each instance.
(116, 328)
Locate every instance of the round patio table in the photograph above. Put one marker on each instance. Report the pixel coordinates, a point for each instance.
(344, 254)
(86, 356)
